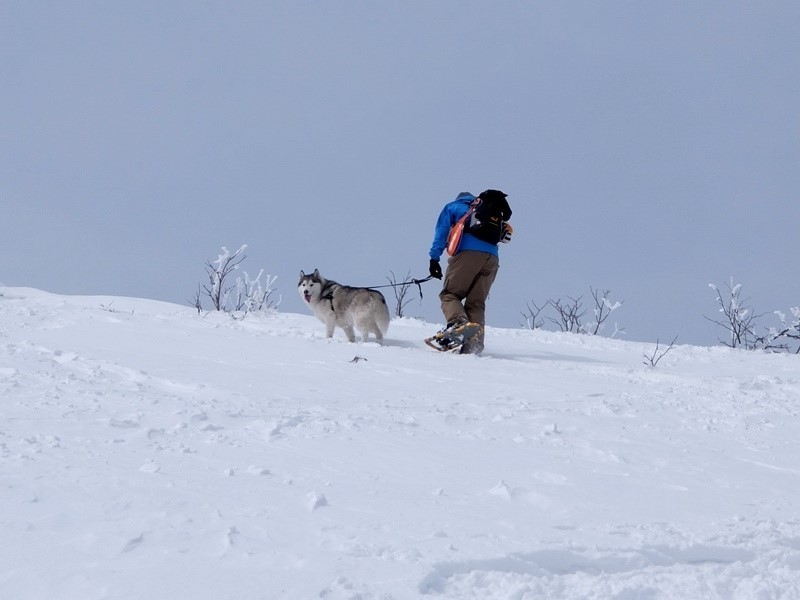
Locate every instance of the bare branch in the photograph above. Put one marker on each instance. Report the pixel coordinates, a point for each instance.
(532, 320)
(195, 301)
(652, 359)
(569, 314)
(400, 292)
(602, 310)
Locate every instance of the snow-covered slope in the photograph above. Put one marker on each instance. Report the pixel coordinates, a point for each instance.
(147, 451)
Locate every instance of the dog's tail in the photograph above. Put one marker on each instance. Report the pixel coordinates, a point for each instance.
(382, 317)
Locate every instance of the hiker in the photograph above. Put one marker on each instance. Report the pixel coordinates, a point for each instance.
(473, 227)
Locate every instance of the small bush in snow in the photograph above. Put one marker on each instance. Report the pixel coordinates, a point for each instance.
(603, 308)
(532, 317)
(738, 319)
(653, 358)
(569, 315)
(253, 295)
(400, 290)
(787, 334)
(245, 294)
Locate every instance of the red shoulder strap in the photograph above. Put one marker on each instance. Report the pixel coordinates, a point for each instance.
(471, 210)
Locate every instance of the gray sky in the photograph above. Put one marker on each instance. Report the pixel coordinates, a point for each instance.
(647, 147)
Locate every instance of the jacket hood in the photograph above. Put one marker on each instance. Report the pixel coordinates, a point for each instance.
(465, 197)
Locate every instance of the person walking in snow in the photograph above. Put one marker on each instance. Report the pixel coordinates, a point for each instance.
(470, 229)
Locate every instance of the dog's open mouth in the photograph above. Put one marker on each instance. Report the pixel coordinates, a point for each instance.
(307, 296)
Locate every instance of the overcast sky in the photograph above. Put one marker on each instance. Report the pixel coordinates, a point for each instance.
(649, 148)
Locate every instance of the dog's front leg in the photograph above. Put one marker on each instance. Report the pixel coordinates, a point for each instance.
(348, 331)
(330, 325)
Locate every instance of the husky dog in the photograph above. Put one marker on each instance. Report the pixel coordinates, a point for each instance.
(345, 306)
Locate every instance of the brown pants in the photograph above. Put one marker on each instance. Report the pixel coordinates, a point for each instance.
(469, 278)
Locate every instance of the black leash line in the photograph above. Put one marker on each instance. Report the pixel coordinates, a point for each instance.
(417, 282)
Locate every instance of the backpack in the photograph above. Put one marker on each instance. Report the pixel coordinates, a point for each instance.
(487, 220)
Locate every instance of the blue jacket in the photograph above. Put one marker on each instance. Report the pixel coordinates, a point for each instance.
(450, 214)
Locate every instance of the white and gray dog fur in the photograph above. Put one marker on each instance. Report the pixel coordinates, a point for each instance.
(344, 306)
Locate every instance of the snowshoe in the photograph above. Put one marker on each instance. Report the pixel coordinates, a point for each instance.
(461, 338)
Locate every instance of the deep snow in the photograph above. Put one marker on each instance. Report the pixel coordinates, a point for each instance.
(151, 452)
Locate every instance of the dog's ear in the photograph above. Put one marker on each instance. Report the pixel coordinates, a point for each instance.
(302, 274)
(316, 273)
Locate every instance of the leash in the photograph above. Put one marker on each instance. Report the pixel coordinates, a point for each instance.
(417, 282)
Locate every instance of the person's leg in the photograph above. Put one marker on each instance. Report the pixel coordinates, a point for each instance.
(462, 269)
(475, 304)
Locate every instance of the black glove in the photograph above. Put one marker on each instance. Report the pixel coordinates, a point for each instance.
(435, 269)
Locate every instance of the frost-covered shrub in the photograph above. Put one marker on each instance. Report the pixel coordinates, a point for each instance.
(786, 336)
(737, 318)
(245, 294)
(739, 321)
(568, 315)
(253, 295)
